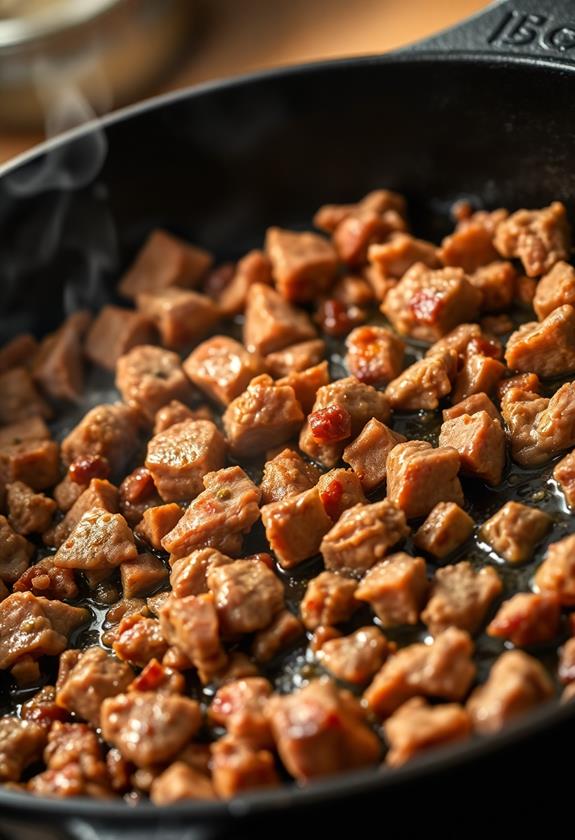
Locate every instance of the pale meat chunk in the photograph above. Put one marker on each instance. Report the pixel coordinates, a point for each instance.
(306, 384)
(158, 521)
(427, 304)
(496, 282)
(94, 677)
(44, 578)
(395, 256)
(445, 529)
(514, 531)
(457, 339)
(556, 288)
(546, 348)
(480, 442)
(367, 454)
(362, 536)
(539, 427)
(339, 490)
(35, 462)
(149, 728)
(239, 707)
(222, 368)
(361, 229)
(527, 619)
(267, 414)
(58, 366)
(219, 516)
(416, 727)
(557, 572)
(516, 684)
(21, 744)
(181, 783)
(271, 323)
(18, 352)
(424, 383)
(141, 576)
(99, 495)
(381, 201)
(254, 267)
(139, 640)
(28, 512)
(100, 540)
(247, 595)
(107, 431)
(471, 405)
(30, 429)
(237, 767)
(539, 238)
(286, 475)
(295, 527)
(114, 331)
(283, 631)
(460, 597)
(296, 358)
(357, 657)
(75, 765)
(191, 624)
(180, 457)
(148, 377)
(395, 589)
(374, 355)
(15, 552)
(564, 475)
(176, 412)
(189, 574)
(479, 374)
(443, 669)
(20, 397)
(471, 244)
(303, 264)
(329, 599)
(162, 262)
(320, 730)
(419, 476)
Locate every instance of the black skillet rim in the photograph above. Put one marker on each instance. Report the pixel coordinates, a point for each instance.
(356, 782)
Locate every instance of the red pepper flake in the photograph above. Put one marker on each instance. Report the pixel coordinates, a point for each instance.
(87, 467)
(331, 499)
(151, 678)
(330, 425)
(138, 486)
(337, 319)
(426, 306)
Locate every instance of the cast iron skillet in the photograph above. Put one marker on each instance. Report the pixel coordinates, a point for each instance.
(484, 111)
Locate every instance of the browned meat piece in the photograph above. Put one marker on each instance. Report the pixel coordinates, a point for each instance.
(286, 475)
(480, 442)
(34, 462)
(158, 677)
(239, 707)
(30, 429)
(142, 575)
(320, 730)
(283, 631)
(339, 490)
(222, 368)
(564, 475)
(353, 291)
(44, 578)
(107, 431)
(15, 552)
(367, 455)
(516, 684)
(496, 325)
(237, 767)
(115, 331)
(357, 657)
(148, 377)
(271, 323)
(180, 316)
(419, 476)
(362, 536)
(514, 531)
(445, 529)
(443, 669)
(266, 414)
(416, 726)
(191, 624)
(395, 256)
(21, 744)
(180, 783)
(335, 317)
(526, 382)
(527, 619)
(303, 264)
(176, 412)
(58, 366)
(162, 262)
(546, 348)
(189, 574)
(18, 352)
(28, 512)
(95, 676)
(537, 426)
(139, 640)
(180, 457)
(458, 339)
(35, 626)
(157, 522)
(423, 384)
(295, 527)
(472, 405)
(100, 540)
(219, 516)
(555, 289)
(329, 599)
(362, 402)
(247, 595)
(253, 268)
(306, 384)
(460, 597)
(99, 495)
(395, 589)
(374, 355)
(557, 572)
(496, 282)
(124, 607)
(566, 670)
(427, 304)
(20, 397)
(539, 238)
(480, 374)
(137, 493)
(297, 358)
(361, 229)
(471, 244)
(43, 709)
(149, 728)
(77, 479)
(330, 215)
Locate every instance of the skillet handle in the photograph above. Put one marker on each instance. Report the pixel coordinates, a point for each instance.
(540, 29)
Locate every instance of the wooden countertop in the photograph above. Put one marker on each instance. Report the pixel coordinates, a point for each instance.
(237, 36)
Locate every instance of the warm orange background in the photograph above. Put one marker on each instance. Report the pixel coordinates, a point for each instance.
(241, 35)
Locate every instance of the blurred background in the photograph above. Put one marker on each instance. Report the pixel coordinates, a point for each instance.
(63, 61)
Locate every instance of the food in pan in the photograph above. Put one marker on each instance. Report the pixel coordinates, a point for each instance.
(292, 516)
